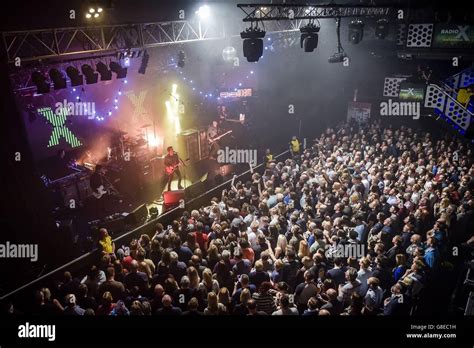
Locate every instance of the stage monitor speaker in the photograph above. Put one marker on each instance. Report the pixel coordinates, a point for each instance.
(197, 188)
(139, 215)
(171, 199)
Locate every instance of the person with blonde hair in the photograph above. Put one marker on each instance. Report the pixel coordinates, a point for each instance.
(193, 276)
(213, 306)
(208, 283)
(241, 308)
(303, 249)
(280, 249)
(224, 297)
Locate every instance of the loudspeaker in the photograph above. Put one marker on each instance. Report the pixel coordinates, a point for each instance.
(139, 215)
(171, 199)
(197, 188)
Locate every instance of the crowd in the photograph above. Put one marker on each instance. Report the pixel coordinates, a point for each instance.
(362, 222)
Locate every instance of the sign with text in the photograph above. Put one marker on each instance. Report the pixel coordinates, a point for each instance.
(360, 112)
(453, 35)
(239, 93)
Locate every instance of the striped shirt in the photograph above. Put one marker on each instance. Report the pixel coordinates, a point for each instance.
(265, 302)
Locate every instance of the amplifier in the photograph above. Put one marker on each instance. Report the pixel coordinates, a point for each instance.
(188, 144)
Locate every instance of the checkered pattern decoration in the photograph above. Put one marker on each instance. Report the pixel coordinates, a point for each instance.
(419, 35)
(453, 81)
(458, 114)
(467, 78)
(435, 98)
(391, 86)
(401, 34)
(455, 112)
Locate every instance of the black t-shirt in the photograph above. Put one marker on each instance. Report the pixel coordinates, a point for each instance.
(171, 160)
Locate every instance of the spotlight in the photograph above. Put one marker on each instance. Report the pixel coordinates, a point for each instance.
(253, 43)
(181, 59)
(381, 28)
(76, 78)
(126, 62)
(204, 12)
(94, 11)
(40, 81)
(119, 70)
(105, 73)
(356, 31)
(91, 76)
(57, 78)
(144, 63)
(309, 37)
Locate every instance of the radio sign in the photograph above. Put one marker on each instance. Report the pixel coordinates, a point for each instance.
(239, 93)
(453, 35)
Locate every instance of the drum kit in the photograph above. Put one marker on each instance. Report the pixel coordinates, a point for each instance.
(124, 144)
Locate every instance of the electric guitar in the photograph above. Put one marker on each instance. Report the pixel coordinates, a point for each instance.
(213, 140)
(170, 169)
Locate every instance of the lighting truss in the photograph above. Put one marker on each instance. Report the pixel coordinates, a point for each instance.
(278, 12)
(36, 45)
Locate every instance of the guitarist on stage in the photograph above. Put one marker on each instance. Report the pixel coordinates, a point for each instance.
(172, 163)
(212, 133)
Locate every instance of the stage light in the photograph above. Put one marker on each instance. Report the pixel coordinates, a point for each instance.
(181, 59)
(126, 62)
(96, 15)
(100, 10)
(381, 28)
(40, 81)
(58, 79)
(309, 37)
(91, 10)
(356, 31)
(91, 76)
(119, 70)
(88, 16)
(105, 73)
(144, 63)
(253, 43)
(73, 74)
(204, 12)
